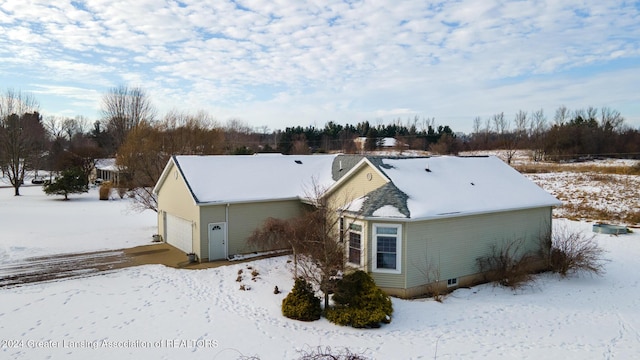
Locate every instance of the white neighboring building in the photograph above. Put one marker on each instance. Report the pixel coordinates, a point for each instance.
(385, 143)
(105, 170)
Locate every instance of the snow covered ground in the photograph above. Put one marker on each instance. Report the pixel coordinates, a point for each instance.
(155, 312)
(35, 224)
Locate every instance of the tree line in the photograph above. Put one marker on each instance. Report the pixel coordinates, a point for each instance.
(131, 130)
(571, 134)
(142, 142)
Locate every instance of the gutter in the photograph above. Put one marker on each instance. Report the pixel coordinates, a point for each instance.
(451, 214)
(229, 202)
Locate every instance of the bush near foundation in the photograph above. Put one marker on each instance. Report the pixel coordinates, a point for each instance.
(574, 252)
(301, 303)
(359, 302)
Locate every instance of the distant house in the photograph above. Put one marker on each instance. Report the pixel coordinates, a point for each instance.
(384, 143)
(106, 170)
(405, 217)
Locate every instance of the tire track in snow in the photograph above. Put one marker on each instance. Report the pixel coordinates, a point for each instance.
(48, 268)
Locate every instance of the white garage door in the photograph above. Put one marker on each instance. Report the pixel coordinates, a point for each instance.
(179, 233)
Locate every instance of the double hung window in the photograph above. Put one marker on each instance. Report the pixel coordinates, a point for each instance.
(387, 246)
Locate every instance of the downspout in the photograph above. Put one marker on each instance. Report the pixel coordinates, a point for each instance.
(226, 230)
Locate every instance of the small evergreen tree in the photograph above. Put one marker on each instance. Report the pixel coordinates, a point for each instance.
(301, 303)
(359, 302)
(71, 181)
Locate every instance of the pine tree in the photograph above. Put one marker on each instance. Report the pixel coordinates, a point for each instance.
(71, 181)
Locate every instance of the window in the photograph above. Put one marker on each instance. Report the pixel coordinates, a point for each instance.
(387, 247)
(355, 244)
(452, 282)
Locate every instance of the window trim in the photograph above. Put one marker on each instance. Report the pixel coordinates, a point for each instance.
(453, 282)
(362, 241)
(374, 241)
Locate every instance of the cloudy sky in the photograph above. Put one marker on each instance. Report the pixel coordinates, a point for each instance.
(291, 62)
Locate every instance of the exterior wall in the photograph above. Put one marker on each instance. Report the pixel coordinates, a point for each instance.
(174, 198)
(382, 279)
(364, 242)
(449, 247)
(421, 290)
(243, 219)
(208, 215)
(358, 185)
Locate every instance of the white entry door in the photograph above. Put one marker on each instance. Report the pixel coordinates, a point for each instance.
(217, 241)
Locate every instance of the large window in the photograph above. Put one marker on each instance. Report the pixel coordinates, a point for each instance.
(355, 244)
(387, 246)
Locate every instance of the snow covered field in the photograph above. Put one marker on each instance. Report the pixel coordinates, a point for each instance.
(35, 224)
(155, 312)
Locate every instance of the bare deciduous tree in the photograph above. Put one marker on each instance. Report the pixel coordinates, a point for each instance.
(561, 116)
(124, 108)
(610, 120)
(314, 236)
(148, 147)
(22, 135)
(537, 129)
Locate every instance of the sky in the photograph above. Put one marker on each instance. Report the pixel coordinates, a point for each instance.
(290, 62)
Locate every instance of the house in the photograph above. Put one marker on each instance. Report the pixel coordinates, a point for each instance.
(209, 205)
(105, 170)
(410, 222)
(384, 143)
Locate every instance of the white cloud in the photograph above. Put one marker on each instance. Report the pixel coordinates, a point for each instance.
(289, 61)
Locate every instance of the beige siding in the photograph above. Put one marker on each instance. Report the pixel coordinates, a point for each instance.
(364, 243)
(245, 218)
(449, 247)
(174, 198)
(209, 215)
(359, 184)
(386, 280)
(242, 220)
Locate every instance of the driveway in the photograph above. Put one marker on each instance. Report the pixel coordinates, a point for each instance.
(63, 266)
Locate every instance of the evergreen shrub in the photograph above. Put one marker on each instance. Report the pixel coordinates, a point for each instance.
(358, 302)
(302, 303)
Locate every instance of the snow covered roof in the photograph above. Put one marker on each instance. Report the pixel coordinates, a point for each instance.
(419, 188)
(384, 142)
(106, 164)
(240, 178)
(452, 186)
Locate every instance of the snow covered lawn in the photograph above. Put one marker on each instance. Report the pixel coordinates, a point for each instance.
(155, 312)
(35, 224)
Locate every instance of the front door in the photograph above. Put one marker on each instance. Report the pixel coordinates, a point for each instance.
(217, 241)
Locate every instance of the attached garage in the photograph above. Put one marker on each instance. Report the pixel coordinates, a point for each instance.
(179, 232)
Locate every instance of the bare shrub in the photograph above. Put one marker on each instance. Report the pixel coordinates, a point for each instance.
(507, 265)
(327, 353)
(434, 283)
(319, 353)
(574, 252)
(105, 190)
(632, 217)
(434, 288)
(122, 192)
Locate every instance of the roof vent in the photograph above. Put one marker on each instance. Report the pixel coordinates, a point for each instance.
(340, 162)
(298, 161)
(427, 168)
